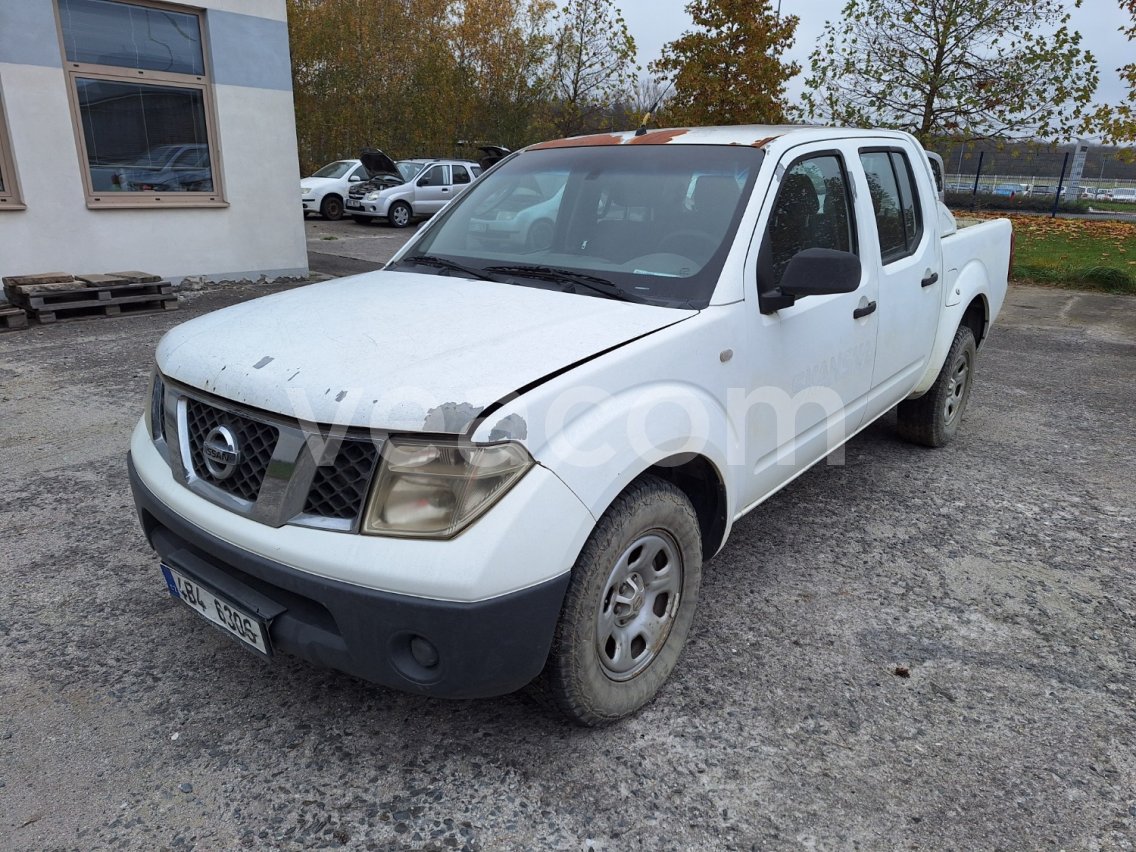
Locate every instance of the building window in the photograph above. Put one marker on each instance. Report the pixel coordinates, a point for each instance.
(9, 192)
(141, 98)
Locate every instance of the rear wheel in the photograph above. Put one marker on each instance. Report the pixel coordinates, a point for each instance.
(629, 605)
(934, 418)
(399, 214)
(332, 207)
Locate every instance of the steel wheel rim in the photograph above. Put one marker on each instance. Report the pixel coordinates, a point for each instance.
(957, 387)
(638, 606)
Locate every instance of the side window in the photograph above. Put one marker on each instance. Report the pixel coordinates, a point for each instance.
(436, 176)
(460, 174)
(898, 220)
(812, 211)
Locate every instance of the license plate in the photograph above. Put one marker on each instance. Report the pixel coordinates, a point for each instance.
(244, 625)
(355, 204)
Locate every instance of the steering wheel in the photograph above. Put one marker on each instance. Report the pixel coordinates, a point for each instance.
(695, 245)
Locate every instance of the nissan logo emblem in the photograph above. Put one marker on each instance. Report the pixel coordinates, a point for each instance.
(222, 455)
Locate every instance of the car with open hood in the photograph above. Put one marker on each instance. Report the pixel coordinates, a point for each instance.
(423, 187)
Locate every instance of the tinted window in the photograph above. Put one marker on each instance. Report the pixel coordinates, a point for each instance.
(460, 174)
(103, 32)
(133, 132)
(892, 188)
(435, 177)
(811, 211)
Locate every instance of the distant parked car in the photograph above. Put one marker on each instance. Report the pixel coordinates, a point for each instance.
(424, 188)
(1126, 194)
(325, 190)
(167, 168)
(1007, 190)
(1040, 189)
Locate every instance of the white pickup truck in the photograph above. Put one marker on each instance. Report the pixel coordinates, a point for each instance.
(496, 460)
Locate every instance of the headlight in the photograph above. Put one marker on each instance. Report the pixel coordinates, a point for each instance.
(305, 190)
(372, 196)
(435, 489)
(506, 215)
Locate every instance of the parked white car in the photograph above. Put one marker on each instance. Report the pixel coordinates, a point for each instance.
(1123, 193)
(488, 462)
(325, 191)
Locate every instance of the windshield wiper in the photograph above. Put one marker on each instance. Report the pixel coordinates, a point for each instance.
(568, 276)
(451, 265)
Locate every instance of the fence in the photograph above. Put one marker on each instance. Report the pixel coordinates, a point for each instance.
(1036, 170)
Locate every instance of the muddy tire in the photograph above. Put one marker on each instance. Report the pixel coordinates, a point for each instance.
(934, 418)
(629, 605)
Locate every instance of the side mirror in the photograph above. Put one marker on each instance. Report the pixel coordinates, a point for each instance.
(820, 272)
(424, 181)
(354, 179)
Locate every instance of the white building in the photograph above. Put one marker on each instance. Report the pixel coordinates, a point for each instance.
(137, 134)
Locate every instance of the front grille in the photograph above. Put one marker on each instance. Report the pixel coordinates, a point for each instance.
(256, 442)
(338, 489)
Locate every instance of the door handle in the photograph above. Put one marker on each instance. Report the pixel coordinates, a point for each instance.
(864, 311)
(446, 189)
(930, 279)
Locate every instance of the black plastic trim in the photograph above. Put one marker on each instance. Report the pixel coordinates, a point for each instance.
(485, 648)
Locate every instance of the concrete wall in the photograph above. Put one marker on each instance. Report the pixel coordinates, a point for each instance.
(260, 233)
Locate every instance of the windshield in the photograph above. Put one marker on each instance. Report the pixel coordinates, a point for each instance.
(335, 170)
(649, 223)
(409, 168)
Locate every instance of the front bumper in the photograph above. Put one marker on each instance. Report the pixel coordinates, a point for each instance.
(484, 648)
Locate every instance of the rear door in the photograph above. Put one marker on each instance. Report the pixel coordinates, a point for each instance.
(432, 189)
(901, 242)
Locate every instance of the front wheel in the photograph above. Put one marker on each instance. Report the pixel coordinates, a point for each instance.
(332, 208)
(934, 418)
(629, 605)
(399, 214)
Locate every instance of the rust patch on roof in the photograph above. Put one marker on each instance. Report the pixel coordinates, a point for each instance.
(658, 137)
(761, 143)
(580, 141)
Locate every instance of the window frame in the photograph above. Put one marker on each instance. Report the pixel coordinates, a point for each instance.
(123, 74)
(911, 242)
(771, 299)
(10, 196)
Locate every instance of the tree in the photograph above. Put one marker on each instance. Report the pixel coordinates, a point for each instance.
(593, 64)
(1117, 123)
(414, 76)
(729, 70)
(970, 69)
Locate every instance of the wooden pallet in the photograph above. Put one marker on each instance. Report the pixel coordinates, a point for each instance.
(12, 318)
(63, 300)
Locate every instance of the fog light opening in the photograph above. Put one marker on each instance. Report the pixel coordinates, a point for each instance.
(424, 652)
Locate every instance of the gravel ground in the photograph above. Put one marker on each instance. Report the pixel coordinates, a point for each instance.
(917, 650)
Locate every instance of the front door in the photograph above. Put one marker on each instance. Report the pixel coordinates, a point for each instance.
(432, 190)
(810, 363)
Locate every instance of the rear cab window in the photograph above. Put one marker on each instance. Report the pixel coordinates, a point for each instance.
(895, 201)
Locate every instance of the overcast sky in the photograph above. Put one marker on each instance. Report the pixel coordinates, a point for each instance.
(654, 22)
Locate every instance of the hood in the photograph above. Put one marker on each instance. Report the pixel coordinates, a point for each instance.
(376, 162)
(396, 350)
(316, 183)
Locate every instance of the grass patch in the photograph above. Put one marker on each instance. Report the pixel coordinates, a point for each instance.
(1074, 253)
